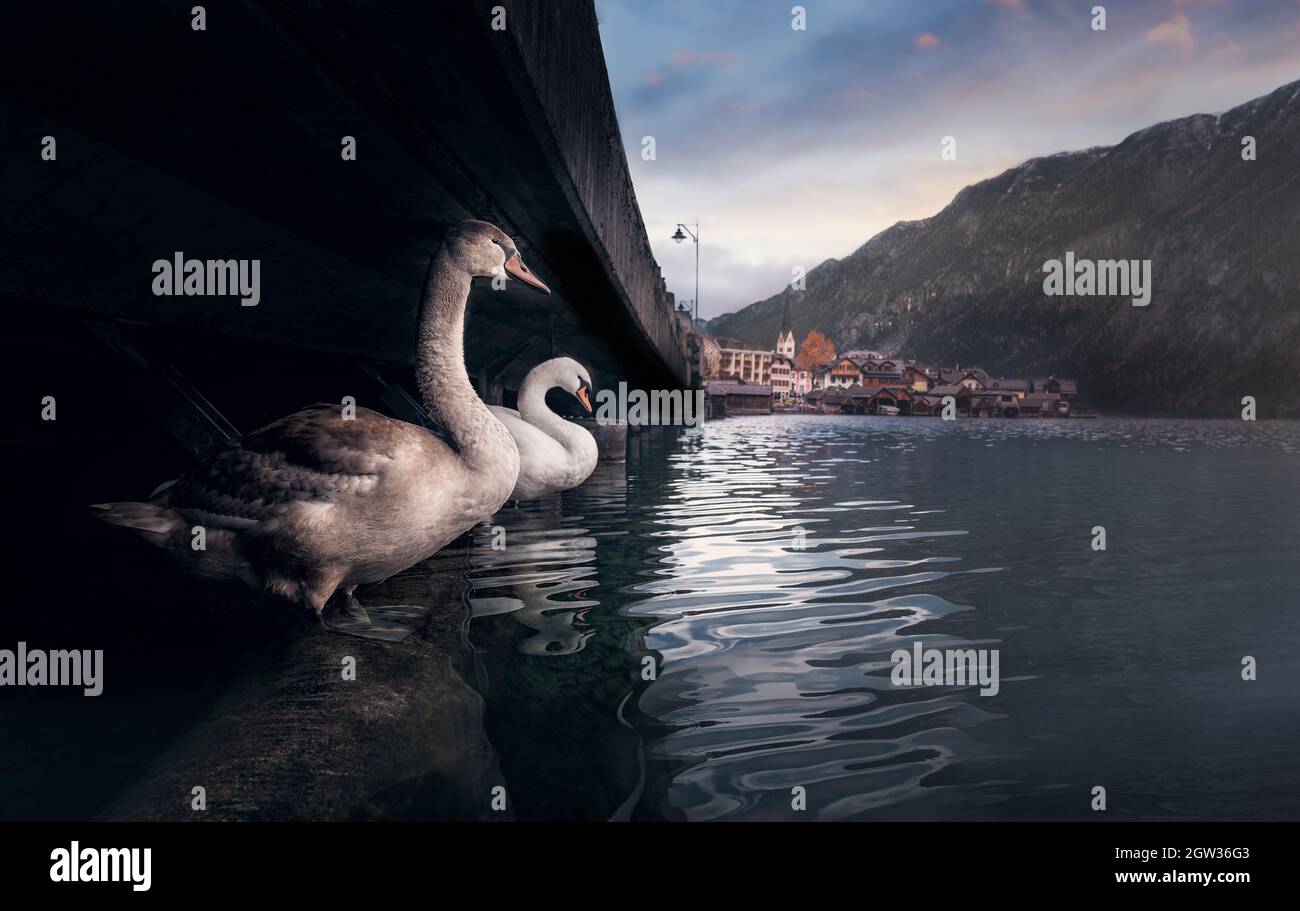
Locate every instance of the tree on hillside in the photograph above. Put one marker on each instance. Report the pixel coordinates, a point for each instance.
(815, 350)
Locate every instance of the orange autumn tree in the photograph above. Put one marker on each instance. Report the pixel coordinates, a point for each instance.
(816, 349)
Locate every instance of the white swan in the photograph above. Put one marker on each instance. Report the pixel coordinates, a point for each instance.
(319, 501)
(554, 454)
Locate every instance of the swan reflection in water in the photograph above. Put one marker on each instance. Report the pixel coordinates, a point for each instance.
(545, 570)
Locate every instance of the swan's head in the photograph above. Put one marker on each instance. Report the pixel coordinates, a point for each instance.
(572, 377)
(485, 251)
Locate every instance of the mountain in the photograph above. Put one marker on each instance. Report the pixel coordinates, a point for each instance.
(966, 285)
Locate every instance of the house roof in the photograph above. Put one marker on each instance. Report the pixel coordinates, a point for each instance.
(1010, 384)
(946, 376)
(1039, 401)
(950, 389)
(1068, 387)
(731, 387)
(897, 392)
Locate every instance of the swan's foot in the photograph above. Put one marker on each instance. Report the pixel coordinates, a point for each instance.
(352, 608)
(382, 623)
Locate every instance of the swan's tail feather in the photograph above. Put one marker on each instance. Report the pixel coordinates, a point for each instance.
(149, 519)
(219, 556)
(159, 492)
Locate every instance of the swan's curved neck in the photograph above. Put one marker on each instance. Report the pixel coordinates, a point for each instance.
(440, 361)
(534, 410)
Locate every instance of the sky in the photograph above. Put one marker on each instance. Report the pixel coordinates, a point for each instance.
(790, 147)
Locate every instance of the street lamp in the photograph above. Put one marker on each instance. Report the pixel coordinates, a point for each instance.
(695, 237)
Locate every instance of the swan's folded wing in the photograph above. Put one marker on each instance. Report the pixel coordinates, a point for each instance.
(312, 456)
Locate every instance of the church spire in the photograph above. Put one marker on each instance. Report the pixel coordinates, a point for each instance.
(785, 338)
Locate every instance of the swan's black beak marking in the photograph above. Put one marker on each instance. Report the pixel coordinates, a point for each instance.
(517, 270)
(584, 396)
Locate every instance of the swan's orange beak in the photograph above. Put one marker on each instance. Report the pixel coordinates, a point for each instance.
(584, 396)
(515, 266)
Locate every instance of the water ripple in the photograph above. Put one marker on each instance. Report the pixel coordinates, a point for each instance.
(774, 564)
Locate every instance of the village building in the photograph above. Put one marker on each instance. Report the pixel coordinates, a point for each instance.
(943, 376)
(782, 375)
(827, 401)
(916, 378)
(821, 376)
(867, 382)
(1044, 405)
(1067, 390)
(746, 364)
(728, 397)
(927, 405)
(987, 403)
(844, 372)
(886, 400)
(783, 367)
(1018, 387)
(882, 373)
(861, 400)
(785, 346)
(959, 392)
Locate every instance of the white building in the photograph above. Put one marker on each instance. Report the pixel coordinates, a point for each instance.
(801, 382)
(782, 375)
(747, 365)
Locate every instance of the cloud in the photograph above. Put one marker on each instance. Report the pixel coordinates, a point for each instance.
(926, 41)
(683, 59)
(833, 133)
(1018, 5)
(1226, 48)
(724, 60)
(1175, 31)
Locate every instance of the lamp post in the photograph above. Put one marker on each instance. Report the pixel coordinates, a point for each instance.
(695, 238)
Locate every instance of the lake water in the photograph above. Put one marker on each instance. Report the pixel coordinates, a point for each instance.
(760, 571)
(769, 566)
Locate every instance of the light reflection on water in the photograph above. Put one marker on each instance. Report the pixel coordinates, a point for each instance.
(772, 564)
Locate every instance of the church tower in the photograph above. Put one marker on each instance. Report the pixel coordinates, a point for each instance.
(785, 338)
